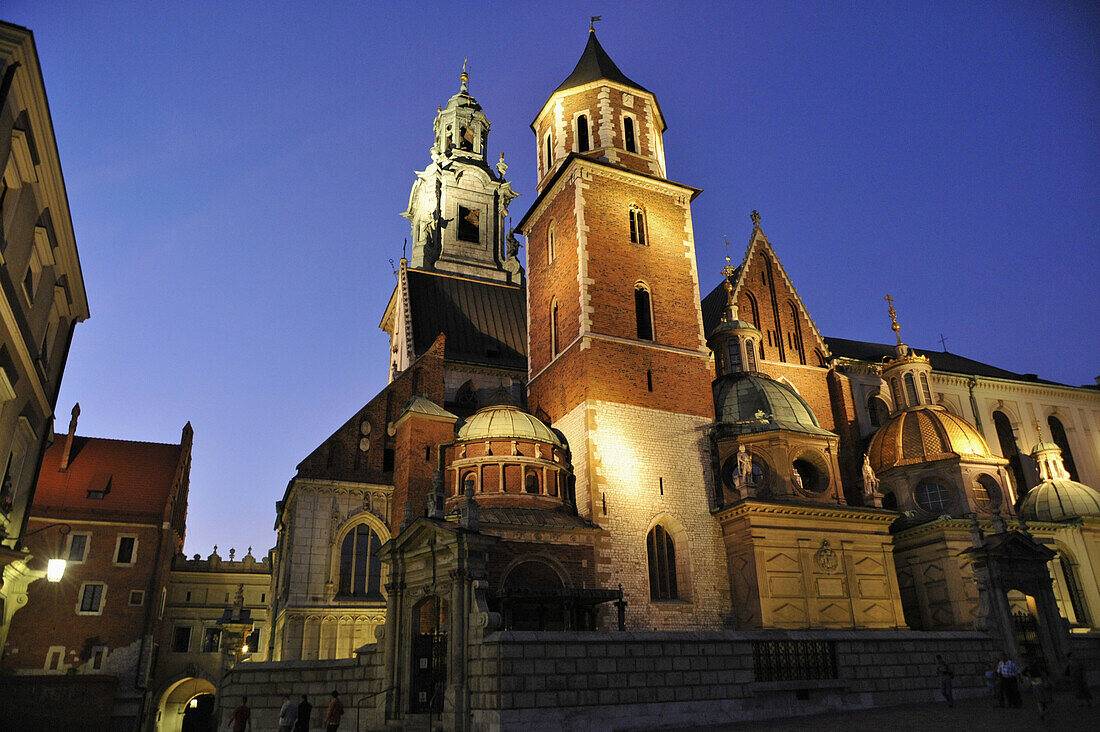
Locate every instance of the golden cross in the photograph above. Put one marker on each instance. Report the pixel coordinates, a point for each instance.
(894, 318)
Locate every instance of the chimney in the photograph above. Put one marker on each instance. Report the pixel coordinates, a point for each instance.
(69, 439)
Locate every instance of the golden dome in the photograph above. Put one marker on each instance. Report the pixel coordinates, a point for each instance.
(923, 435)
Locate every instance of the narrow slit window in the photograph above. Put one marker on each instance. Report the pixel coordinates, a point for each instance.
(582, 133)
(643, 312)
(554, 328)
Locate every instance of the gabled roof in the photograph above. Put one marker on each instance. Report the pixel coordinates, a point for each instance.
(137, 478)
(485, 323)
(595, 64)
(941, 360)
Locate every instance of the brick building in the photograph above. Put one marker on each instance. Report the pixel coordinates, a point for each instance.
(118, 511)
(598, 443)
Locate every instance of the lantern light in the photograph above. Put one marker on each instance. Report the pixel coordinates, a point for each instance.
(55, 570)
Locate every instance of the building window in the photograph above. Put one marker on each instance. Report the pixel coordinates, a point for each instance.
(55, 657)
(628, 133)
(78, 547)
(987, 492)
(99, 655)
(1007, 440)
(796, 334)
(126, 550)
(550, 250)
(1058, 434)
(252, 641)
(387, 459)
(924, 389)
(890, 501)
(662, 565)
(211, 640)
(137, 597)
(649, 379)
(895, 389)
(810, 476)
(582, 133)
(469, 224)
(469, 483)
(531, 483)
(877, 411)
(911, 390)
(91, 598)
(733, 355)
(549, 152)
(643, 312)
(933, 497)
(750, 354)
(1073, 588)
(554, 327)
(637, 225)
(360, 568)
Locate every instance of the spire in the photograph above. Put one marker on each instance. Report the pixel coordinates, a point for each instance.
(464, 77)
(730, 314)
(894, 319)
(65, 456)
(595, 64)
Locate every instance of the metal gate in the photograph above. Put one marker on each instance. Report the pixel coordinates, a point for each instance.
(429, 677)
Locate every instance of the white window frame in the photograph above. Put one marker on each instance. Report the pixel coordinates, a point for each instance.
(101, 652)
(133, 554)
(80, 599)
(141, 598)
(59, 651)
(634, 123)
(69, 546)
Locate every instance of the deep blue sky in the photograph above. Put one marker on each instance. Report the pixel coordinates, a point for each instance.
(236, 170)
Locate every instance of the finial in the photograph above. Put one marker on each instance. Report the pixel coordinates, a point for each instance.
(592, 23)
(464, 77)
(755, 216)
(1039, 429)
(894, 318)
(728, 271)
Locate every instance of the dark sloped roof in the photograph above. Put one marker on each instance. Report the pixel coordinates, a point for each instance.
(535, 517)
(715, 303)
(941, 360)
(484, 322)
(594, 65)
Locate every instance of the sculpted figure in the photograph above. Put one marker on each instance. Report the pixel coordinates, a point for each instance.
(744, 466)
(870, 480)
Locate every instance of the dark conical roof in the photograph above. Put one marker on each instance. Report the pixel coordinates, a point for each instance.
(594, 65)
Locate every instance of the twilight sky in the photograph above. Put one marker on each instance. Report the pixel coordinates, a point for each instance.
(235, 173)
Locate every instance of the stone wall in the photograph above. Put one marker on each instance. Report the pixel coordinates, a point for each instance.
(357, 679)
(41, 703)
(565, 681)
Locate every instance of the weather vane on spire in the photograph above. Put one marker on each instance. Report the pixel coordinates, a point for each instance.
(592, 23)
(894, 318)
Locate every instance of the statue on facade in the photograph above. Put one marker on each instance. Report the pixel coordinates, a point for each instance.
(870, 480)
(502, 167)
(513, 244)
(796, 479)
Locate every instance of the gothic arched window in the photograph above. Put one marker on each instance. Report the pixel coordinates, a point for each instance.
(360, 568)
(750, 354)
(582, 133)
(754, 312)
(643, 312)
(628, 134)
(1010, 452)
(796, 333)
(1058, 434)
(637, 225)
(549, 153)
(551, 252)
(662, 564)
(924, 388)
(1073, 588)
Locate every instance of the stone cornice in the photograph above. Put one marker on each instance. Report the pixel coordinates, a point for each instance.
(750, 507)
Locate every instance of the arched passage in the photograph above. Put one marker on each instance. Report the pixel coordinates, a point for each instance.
(186, 706)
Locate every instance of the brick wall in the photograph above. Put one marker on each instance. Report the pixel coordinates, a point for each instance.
(566, 681)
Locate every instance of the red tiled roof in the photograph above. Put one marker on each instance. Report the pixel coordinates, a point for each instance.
(137, 477)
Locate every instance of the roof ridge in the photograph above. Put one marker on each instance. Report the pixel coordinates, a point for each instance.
(63, 435)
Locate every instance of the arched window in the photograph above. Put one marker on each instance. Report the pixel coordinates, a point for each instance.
(796, 333)
(637, 225)
(551, 252)
(549, 153)
(360, 568)
(750, 354)
(1007, 440)
(733, 355)
(469, 482)
(987, 492)
(933, 496)
(890, 501)
(911, 390)
(662, 565)
(582, 133)
(895, 389)
(924, 388)
(1058, 434)
(754, 312)
(643, 312)
(877, 411)
(554, 327)
(628, 134)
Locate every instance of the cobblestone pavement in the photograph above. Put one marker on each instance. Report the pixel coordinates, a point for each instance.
(969, 715)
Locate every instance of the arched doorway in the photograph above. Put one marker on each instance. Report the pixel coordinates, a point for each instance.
(533, 598)
(429, 655)
(186, 706)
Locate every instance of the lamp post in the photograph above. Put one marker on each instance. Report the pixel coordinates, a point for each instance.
(55, 567)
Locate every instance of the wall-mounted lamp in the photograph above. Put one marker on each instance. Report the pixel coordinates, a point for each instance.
(55, 568)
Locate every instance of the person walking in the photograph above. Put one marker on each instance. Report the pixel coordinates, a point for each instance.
(1040, 687)
(1009, 674)
(305, 710)
(335, 712)
(946, 677)
(241, 718)
(288, 714)
(1076, 673)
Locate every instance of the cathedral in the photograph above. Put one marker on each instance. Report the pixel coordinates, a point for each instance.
(618, 437)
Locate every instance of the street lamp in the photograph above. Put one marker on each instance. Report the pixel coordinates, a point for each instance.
(55, 568)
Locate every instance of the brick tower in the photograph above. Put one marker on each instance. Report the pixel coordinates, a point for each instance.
(617, 358)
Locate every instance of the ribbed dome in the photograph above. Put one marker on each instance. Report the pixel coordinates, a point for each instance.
(503, 421)
(730, 326)
(1058, 500)
(924, 435)
(742, 396)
